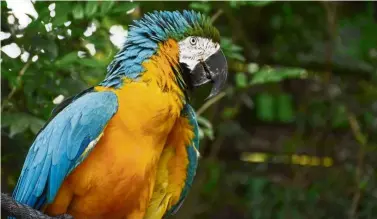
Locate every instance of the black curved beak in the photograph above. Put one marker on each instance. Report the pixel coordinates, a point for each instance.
(214, 69)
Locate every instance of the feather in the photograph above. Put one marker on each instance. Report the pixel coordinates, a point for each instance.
(57, 148)
(193, 157)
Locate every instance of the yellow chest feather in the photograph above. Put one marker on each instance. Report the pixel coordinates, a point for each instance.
(117, 178)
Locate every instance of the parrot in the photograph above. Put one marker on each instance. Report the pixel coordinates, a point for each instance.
(128, 147)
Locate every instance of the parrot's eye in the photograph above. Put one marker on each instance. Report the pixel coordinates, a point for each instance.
(193, 40)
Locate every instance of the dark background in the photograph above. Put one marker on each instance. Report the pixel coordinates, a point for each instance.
(294, 135)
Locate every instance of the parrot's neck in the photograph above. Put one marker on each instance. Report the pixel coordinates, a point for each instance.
(164, 69)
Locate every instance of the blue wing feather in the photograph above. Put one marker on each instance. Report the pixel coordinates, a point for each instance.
(57, 149)
(192, 149)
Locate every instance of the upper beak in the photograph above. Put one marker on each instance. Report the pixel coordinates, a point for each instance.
(214, 69)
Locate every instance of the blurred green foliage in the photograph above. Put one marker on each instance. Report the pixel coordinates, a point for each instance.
(303, 81)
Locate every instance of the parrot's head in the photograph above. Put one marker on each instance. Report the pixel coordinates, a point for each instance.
(200, 59)
(203, 62)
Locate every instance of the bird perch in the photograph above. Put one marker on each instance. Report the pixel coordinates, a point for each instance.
(21, 211)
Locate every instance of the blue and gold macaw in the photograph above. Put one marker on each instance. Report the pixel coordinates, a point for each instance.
(128, 148)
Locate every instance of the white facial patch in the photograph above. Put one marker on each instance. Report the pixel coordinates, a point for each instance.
(193, 49)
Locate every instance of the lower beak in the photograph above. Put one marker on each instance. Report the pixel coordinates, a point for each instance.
(214, 69)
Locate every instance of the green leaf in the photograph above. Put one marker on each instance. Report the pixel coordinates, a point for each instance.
(260, 3)
(36, 124)
(285, 108)
(236, 48)
(68, 59)
(19, 124)
(62, 10)
(204, 122)
(241, 80)
(106, 7)
(369, 118)
(78, 11)
(91, 8)
(268, 74)
(6, 119)
(265, 107)
(231, 50)
(91, 63)
(205, 127)
(237, 56)
(257, 185)
(236, 4)
(201, 6)
(52, 50)
(59, 19)
(124, 7)
(47, 44)
(340, 118)
(225, 42)
(209, 133)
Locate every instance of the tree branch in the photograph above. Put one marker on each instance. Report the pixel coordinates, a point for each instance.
(362, 140)
(21, 211)
(210, 102)
(216, 15)
(14, 89)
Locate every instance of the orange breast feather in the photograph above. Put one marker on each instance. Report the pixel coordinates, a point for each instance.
(117, 178)
(172, 170)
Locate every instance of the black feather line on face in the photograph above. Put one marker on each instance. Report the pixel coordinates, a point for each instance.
(186, 75)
